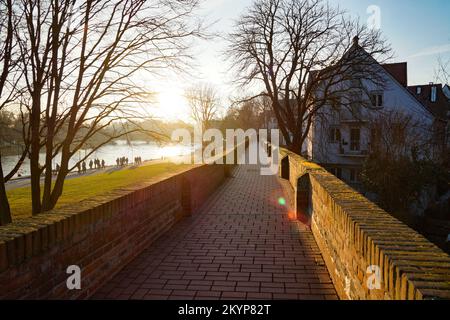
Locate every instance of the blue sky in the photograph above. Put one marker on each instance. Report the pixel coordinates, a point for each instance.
(418, 30)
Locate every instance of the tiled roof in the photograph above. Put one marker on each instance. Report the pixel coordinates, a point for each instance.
(441, 107)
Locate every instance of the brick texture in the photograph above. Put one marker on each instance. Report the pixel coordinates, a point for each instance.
(353, 234)
(100, 235)
(243, 244)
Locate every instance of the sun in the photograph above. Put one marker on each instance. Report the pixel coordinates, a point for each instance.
(172, 104)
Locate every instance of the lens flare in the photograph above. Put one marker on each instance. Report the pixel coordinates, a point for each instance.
(292, 215)
(282, 201)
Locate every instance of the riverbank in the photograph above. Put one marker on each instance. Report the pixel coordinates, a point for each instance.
(26, 180)
(109, 153)
(81, 187)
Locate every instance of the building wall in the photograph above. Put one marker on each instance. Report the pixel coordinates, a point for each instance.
(395, 98)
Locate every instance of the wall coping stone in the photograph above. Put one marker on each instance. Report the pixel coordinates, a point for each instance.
(31, 236)
(411, 266)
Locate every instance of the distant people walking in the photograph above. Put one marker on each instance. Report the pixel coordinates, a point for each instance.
(121, 161)
(79, 168)
(103, 164)
(84, 166)
(90, 164)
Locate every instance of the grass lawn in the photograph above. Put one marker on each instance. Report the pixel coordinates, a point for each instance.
(79, 189)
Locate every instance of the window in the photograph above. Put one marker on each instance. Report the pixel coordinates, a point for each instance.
(336, 172)
(419, 90)
(353, 175)
(355, 136)
(377, 99)
(334, 135)
(339, 173)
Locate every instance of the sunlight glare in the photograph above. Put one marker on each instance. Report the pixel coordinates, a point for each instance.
(172, 104)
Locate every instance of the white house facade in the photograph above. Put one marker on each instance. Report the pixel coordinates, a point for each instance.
(340, 137)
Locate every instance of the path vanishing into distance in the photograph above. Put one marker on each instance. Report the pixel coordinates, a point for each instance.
(242, 244)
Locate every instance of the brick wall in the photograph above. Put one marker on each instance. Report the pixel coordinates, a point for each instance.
(100, 235)
(355, 234)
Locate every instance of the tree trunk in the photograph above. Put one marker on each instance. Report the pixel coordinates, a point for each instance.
(35, 170)
(295, 146)
(5, 210)
(60, 179)
(51, 116)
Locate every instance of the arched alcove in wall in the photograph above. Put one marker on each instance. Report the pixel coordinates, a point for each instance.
(303, 199)
(285, 171)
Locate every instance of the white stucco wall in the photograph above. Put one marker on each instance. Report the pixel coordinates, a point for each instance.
(395, 98)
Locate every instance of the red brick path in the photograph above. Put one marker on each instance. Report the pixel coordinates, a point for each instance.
(241, 245)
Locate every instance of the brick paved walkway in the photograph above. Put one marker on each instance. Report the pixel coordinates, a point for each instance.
(241, 245)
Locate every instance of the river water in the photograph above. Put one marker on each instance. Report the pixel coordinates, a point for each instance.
(109, 153)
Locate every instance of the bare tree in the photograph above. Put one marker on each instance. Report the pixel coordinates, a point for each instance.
(400, 164)
(397, 135)
(204, 103)
(443, 71)
(251, 114)
(9, 78)
(82, 62)
(293, 49)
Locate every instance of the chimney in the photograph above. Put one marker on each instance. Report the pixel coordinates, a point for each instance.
(433, 96)
(356, 40)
